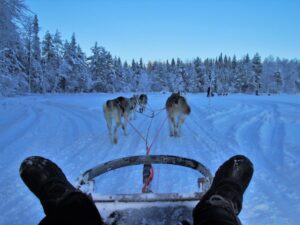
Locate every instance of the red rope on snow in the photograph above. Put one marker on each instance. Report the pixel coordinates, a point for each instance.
(148, 149)
(136, 130)
(150, 178)
(156, 136)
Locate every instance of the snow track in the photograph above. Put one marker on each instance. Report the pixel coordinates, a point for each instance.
(71, 130)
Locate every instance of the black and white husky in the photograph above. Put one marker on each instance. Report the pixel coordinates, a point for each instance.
(133, 103)
(143, 100)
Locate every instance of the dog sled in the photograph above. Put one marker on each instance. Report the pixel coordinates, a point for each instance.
(146, 208)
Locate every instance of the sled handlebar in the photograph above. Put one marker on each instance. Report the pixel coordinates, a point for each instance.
(146, 160)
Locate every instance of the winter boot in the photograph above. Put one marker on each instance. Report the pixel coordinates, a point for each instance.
(225, 196)
(46, 180)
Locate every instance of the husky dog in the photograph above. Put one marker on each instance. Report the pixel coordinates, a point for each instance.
(133, 102)
(177, 110)
(115, 109)
(143, 100)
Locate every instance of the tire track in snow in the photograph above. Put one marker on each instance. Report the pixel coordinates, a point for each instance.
(252, 134)
(230, 126)
(18, 128)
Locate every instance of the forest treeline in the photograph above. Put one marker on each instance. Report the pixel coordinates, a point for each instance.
(30, 63)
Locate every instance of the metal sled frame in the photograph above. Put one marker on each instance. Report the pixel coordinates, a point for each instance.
(107, 203)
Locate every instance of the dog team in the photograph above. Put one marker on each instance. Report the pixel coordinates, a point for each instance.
(115, 109)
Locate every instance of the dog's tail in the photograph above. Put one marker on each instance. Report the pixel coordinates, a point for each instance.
(107, 105)
(187, 109)
(104, 107)
(110, 104)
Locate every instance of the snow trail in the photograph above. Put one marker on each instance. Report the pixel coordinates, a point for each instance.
(71, 130)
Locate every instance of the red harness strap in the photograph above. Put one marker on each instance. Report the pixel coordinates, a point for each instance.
(151, 172)
(148, 149)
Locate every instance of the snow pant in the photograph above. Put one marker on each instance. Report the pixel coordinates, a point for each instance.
(77, 208)
(219, 206)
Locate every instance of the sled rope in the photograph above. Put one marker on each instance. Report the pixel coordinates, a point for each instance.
(148, 149)
(154, 113)
(137, 131)
(151, 170)
(158, 131)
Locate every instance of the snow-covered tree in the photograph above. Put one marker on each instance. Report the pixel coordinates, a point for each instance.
(209, 74)
(60, 80)
(200, 75)
(51, 66)
(158, 74)
(10, 12)
(102, 69)
(12, 76)
(257, 70)
(50, 63)
(37, 81)
(289, 72)
(12, 56)
(278, 81)
(74, 68)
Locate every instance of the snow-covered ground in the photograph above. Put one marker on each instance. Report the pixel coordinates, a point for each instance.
(70, 130)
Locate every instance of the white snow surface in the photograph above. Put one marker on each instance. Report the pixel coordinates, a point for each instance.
(71, 131)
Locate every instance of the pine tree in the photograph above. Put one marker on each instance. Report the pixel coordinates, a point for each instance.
(48, 52)
(200, 77)
(49, 63)
(120, 84)
(60, 84)
(37, 81)
(181, 76)
(136, 72)
(74, 68)
(257, 69)
(278, 81)
(242, 80)
(27, 39)
(209, 74)
(157, 74)
(58, 47)
(13, 79)
(102, 69)
(11, 14)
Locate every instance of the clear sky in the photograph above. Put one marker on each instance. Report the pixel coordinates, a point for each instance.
(162, 29)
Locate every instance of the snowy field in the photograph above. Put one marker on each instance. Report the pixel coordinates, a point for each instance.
(70, 130)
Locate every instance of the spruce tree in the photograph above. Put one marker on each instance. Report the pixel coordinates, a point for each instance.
(257, 70)
(102, 70)
(200, 77)
(37, 81)
(13, 77)
(49, 63)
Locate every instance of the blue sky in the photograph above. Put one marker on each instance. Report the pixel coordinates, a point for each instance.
(162, 29)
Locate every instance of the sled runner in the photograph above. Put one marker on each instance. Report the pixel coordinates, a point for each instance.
(146, 208)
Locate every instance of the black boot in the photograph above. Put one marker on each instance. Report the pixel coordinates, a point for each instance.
(225, 196)
(62, 203)
(46, 180)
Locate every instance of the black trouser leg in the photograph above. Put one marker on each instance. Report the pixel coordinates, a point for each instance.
(75, 208)
(219, 207)
(208, 214)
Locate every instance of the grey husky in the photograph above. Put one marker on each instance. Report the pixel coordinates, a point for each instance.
(115, 109)
(177, 110)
